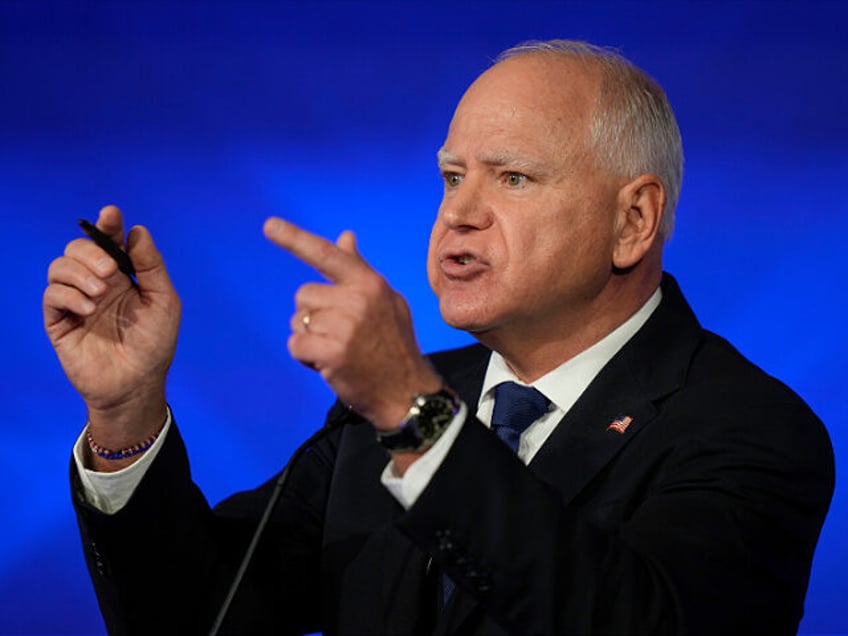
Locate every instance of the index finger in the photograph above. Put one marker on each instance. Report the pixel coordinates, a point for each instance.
(328, 258)
(111, 222)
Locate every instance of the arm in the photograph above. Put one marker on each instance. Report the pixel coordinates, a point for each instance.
(115, 341)
(164, 562)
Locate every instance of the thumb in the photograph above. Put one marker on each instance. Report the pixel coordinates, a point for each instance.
(147, 260)
(347, 243)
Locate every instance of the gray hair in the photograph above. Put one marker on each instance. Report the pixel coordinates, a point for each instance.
(634, 130)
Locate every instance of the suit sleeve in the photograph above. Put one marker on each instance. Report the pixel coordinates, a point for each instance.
(706, 531)
(164, 562)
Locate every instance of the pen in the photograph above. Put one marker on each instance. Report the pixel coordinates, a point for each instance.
(111, 248)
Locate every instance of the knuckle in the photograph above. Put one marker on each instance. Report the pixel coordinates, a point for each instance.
(292, 345)
(358, 304)
(58, 296)
(374, 285)
(304, 293)
(48, 298)
(54, 269)
(348, 332)
(77, 248)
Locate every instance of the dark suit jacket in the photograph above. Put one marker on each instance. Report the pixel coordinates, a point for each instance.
(700, 518)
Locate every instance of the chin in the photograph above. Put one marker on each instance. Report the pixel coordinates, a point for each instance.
(469, 321)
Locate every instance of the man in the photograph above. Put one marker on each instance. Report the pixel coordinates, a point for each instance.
(662, 483)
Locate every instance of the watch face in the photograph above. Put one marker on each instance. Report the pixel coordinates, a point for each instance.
(435, 414)
(426, 426)
(428, 418)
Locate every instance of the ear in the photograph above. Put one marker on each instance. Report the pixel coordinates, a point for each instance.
(640, 209)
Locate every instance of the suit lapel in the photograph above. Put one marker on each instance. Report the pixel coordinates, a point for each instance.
(621, 401)
(586, 439)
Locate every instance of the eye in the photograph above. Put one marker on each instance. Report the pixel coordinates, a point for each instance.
(514, 179)
(452, 179)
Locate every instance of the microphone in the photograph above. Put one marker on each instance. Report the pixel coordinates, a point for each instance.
(339, 416)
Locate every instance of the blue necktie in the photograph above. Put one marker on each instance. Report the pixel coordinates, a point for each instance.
(516, 408)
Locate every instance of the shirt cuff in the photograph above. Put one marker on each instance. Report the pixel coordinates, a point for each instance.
(408, 488)
(109, 492)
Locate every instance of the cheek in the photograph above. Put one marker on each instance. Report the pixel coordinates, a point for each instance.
(432, 261)
(538, 246)
(553, 253)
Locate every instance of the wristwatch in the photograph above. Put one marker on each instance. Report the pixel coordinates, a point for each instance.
(427, 419)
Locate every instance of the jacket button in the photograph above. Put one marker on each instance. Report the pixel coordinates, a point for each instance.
(99, 565)
(444, 541)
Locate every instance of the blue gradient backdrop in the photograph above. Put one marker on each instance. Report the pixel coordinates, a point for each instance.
(202, 118)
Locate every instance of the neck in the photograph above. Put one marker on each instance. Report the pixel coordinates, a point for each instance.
(532, 350)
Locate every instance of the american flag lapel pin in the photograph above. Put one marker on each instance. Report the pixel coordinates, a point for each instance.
(620, 423)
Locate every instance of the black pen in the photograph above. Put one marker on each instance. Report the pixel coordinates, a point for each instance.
(111, 248)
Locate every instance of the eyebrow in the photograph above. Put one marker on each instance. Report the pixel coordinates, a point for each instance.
(504, 158)
(443, 157)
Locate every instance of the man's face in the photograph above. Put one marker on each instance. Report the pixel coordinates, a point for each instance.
(525, 232)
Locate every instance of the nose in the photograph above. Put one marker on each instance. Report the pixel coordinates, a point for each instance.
(466, 207)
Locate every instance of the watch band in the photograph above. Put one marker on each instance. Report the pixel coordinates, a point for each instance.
(427, 419)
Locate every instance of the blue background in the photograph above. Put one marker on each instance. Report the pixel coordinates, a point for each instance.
(202, 118)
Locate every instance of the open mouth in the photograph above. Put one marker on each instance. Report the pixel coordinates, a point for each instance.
(461, 265)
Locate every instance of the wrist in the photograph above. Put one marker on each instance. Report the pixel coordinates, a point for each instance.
(395, 409)
(122, 453)
(123, 425)
(425, 421)
(101, 458)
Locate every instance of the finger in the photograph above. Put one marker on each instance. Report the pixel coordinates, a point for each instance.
(147, 260)
(347, 243)
(329, 259)
(72, 273)
(323, 296)
(59, 300)
(320, 354)
(111, 221)
(91, 256)
(326, 322)
(304, 321)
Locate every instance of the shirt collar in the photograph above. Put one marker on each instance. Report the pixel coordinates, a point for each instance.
(564, 384)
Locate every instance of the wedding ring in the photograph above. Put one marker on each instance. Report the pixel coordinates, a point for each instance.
(307, 318)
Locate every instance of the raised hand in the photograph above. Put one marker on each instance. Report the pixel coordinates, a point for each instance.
(115, 342)
(355, 330)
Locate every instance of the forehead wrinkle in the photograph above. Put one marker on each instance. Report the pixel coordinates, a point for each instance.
(505, 158)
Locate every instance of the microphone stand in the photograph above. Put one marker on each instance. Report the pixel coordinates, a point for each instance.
(279, 485)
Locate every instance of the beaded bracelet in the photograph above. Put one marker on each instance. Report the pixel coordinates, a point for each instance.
(129, 451)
